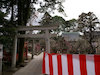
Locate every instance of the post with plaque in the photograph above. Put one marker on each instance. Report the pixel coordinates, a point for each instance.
(1, 56)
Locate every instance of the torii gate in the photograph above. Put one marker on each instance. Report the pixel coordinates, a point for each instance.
(46, 36)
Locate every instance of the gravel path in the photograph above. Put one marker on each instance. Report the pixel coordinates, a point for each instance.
(33, 68)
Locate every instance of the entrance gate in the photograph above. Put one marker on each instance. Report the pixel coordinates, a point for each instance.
(45, 35)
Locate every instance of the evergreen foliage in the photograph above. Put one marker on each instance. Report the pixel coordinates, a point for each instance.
(14, 13)
(87, 23)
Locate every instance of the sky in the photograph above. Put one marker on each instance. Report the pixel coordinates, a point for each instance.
(73, 8)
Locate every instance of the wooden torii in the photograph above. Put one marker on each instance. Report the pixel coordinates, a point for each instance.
(45, 35)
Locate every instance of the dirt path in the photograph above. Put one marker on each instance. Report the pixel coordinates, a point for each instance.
(33, 68)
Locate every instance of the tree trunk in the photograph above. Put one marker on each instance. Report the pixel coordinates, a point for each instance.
(21, 40)
(20, 51)
(23, 13)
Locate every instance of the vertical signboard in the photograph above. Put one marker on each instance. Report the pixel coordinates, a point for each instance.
(1, 56)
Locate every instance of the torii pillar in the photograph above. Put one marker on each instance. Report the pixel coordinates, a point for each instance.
(47, 39)
(14, 53)
(33, 48)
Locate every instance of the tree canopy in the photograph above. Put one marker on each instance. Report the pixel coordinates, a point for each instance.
(14, 13)
(19, 11)
(87, 23)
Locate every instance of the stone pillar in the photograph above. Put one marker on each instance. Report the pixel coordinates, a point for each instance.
(47, 39)
(33, 48)
(14, 53)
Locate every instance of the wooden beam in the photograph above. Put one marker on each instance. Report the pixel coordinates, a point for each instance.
(31, 36)
(34, 35)
(28, 28)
